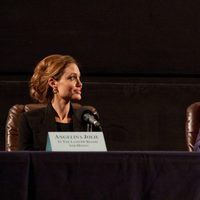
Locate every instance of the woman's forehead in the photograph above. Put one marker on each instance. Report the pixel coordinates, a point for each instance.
(72, 68)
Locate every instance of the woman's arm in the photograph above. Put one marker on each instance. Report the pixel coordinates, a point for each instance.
(25, 134)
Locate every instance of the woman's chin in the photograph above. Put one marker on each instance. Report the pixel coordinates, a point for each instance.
(76, 97)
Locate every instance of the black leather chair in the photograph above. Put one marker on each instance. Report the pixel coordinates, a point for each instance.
(192, 124)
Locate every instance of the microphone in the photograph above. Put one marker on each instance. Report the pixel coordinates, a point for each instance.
(89, 115)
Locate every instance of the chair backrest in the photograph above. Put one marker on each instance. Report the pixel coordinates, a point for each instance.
(12, 123)
(192, 124)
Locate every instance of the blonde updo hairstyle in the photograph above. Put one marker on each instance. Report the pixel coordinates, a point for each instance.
(51, 66)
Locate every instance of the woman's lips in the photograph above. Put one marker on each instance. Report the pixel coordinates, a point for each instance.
(78, 91)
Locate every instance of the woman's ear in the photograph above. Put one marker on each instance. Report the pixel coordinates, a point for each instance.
(52, 82)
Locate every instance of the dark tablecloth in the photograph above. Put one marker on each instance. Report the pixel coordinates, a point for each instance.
(99, 176)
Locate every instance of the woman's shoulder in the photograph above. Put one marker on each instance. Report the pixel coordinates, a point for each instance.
(36, 113)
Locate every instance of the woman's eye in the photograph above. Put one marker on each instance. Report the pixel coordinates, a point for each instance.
(72, 78)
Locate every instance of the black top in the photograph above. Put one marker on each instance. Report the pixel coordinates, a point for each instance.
(64, 126)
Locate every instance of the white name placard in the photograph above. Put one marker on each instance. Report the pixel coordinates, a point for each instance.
(75, 141)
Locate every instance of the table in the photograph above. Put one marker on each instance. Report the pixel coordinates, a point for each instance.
(99, 175)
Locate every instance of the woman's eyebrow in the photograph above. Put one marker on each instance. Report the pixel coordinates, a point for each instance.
(75, 74)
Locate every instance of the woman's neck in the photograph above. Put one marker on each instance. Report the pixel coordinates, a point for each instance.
(62, 109)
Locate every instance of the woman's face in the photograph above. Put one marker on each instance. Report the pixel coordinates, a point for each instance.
(69, 85)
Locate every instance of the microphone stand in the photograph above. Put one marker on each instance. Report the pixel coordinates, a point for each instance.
(89, 127)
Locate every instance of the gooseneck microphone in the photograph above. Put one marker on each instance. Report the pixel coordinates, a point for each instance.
(89, 115)
(90, 118)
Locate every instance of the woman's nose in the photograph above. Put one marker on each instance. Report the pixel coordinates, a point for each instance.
(79, 83)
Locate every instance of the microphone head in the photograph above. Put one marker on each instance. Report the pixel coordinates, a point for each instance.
(86, 109)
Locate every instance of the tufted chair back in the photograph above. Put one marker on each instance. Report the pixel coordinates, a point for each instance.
(192, 124)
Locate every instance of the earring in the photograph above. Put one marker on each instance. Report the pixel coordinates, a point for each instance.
(55, 90)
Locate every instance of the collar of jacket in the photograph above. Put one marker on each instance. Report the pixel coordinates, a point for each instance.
(50, 122)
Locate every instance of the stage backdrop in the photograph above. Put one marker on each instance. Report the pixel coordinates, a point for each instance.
(139, 58)
(134, 116)
(108, 37)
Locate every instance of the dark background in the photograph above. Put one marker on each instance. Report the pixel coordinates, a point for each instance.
(139, 60)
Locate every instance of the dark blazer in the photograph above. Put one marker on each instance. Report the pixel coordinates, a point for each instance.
(35, 125)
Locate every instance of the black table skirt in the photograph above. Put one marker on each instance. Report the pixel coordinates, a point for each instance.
(99, 176)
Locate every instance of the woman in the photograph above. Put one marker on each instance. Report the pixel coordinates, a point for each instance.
(55, 82)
